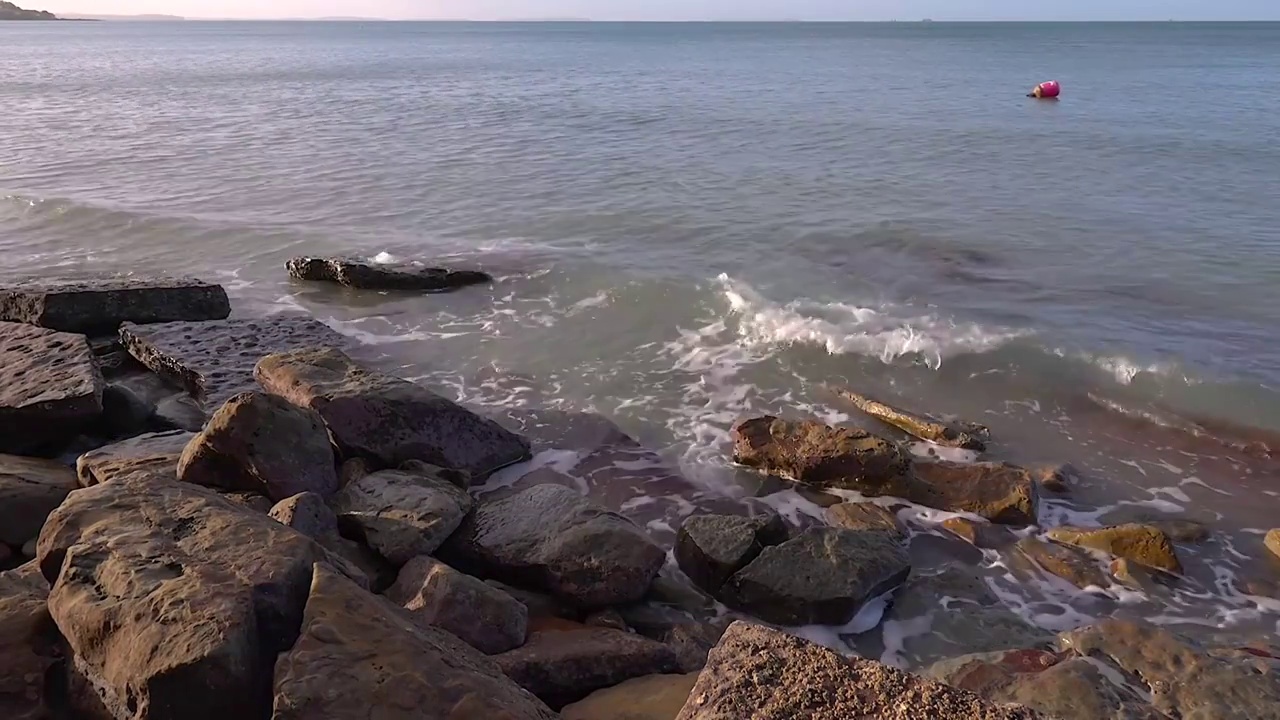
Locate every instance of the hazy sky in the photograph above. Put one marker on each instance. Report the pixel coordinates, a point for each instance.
(691, 9)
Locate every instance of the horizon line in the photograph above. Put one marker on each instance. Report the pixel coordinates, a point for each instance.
(531, 21)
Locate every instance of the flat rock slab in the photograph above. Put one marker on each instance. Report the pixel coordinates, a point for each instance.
(359, 658)
(214, 360)
(99, 306)
(483, 616)
(153, 453)
(401, 515)
(30, 489)
(50, 386)
(28, 640)
(822, 456)
(363, 275)
(760, 673)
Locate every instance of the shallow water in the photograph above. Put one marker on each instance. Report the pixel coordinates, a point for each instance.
(692, 223)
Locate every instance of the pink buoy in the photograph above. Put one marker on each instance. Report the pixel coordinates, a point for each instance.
(1046, 90)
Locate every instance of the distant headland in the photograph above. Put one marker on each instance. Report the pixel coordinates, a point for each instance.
(9, 11)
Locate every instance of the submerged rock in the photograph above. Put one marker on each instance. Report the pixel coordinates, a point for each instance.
(99, 306)
(985, 535)
(382, 276)
(50, 387)
(865, 516)
(653, 697)
(999, 492)
(812, 453)
(402, 515)
(483, 616)
(1068, 563)
(30, 489)
(386, 419)
(969, 436)
(153, 453)
(566, 666)
(1141, 543)
(28, 644)
(1057, 478)
(710, 548)
(1272, 542)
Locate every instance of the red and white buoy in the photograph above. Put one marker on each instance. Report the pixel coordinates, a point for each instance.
(1046, 90)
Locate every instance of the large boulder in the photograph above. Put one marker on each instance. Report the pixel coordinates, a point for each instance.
(363, 275)
(998, 492)
(30, 489)
(711, 548)
(99, 306)
(151, 453)
(760, 673)
(173, 601)
(214, 361)
(50, 387)
(822, 575)
(386, 419)
(264, 444)
(357, 658)
(653, 697)
(309, 514)
(812, 453)
(551, 538)
(401, 514)
(483, 616)
(1144, 544)
(561, 667)
(28, 643)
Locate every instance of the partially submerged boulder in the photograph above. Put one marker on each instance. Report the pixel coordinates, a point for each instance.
(551, 538)
(969, 436)
(152, 453)
(1272, 542)
(50, 387)
(30, 489)
(865, 516)
(981, 534)
(400, 514)
(711, 548)
(1069, 563)
(1056, 478)
(653, 697)
(355, 273)
(483, 616)
(386, 419)
(28, 643)
(998, 492)
(564, 667)
(1141, 543)
(99, 306)
(812, 453)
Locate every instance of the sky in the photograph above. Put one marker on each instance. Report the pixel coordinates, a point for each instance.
(689, 9)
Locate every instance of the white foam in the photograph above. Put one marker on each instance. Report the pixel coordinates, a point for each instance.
(925, 449)
(384, 258)
(831, 636)
(562, 461)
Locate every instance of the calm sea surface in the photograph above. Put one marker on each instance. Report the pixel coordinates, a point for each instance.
(693, 222)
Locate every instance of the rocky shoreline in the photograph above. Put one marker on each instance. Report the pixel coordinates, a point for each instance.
(211, 516)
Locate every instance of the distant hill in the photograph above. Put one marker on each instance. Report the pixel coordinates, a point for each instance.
(9, 11)
(129, 18)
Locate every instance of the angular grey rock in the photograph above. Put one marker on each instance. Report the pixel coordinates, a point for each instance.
(402, 515)
(822, 575)
(386, 419)
(50, 387)
(566, 666)
(214, 360)
(28, 643)
(99, 306)
(30, 489)
(710, 548)
(153, 452)
(264, 444)
(363, 275)
(483, 616)
(551, 538)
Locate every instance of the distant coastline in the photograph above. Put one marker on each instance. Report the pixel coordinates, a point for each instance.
(9, 11)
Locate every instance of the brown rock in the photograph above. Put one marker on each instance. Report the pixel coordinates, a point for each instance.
(1141, 543)
(308, 514)
(352, 470)
(355, 273)
(99, 306)
(30, 489)
(249, 501)
(654, 697)
(1068, 563)
(50, 387)
(358, 658)
(1056, 478)
(815, 454)
(969, 436)
(28, 643)
(711, 548)
(263, 444)
(985, 535)
(764, 674)
(151, 453)
(865, 516)
(401, 515)
(998, 492)
(609, 618)
(484, 617)
(388, 420)
(1272, 542)
(564, 667)
(538, 604)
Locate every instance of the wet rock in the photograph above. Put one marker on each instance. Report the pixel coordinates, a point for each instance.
(30, 489)
(564, 667)
(250, 501)
(969, 436)
(765, 674)
(691, 641)
(710, 548)
(153, 452)
(1181, 530)
(815, 454)
(484, 617)
(28, 643)
(985, 535)
(609, 618)
(180, 412)
(124, 413)
(357, 655)
(386, 419)
(1272, 542)
(1056, 478)
(264, 444)
(538, 604)
(865, 516)
(50, 387)
(1141, 543)
(214, 361)
(551, 538)
(1068, 563)
(822, 575)
(308, 514)
(654, 697)
(172, 600)
(99, 306)
(382, 276)
(401, 515)
(998, 492)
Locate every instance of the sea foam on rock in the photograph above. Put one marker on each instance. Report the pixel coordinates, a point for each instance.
(363, 275)
(99, 306)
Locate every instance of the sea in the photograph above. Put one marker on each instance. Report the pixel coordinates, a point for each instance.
(693, 223)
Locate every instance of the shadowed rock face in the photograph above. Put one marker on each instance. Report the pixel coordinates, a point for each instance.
(28, 640)
(401, 515)
(711, 548)
(355, 273)
(50, 387)
(30, 489)
(815, 454)
(99, 306)
(483, 616)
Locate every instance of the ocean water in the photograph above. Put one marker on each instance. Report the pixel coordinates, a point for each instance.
(690, 223)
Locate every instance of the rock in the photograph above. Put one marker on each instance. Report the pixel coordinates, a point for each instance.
(610, 618)
(564, 667)
(352, 470)
(250, 501)
(865, 516)
(50, 387)
(264, 444)
(28, 643)
(998, 492)
(815, 454)
(214, 361)
(970, 436)
(401, 515)
(1068, 563)
(99, 306)
(1272, 542)
(759, 673)
(1141, 543)
(154, 452)
(985, 535)
(29, 549)
(1181, 529)
(124, 413)
(654, 697)
(550, 538)
(538, 604)
(173, 601)
(308, 514)
(1056, 478)
(357, 657)
(382, 276)
(710, 548)
(180, 412)
(822, 575)
(388, 420)
(30, 489)
(484, 617)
